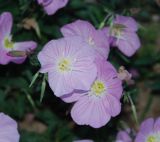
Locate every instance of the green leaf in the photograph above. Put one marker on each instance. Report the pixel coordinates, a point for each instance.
(43, 87)
(34, 79)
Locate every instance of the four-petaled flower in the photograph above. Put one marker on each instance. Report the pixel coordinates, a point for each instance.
(122, 33)
(70, 65)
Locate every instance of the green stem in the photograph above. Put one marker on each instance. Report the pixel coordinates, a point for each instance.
(133, 109)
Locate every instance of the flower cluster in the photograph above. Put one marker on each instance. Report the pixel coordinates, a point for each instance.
(12, 51)
(79, 73)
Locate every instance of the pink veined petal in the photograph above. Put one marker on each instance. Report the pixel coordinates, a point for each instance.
(6, 21)
(147, 126)
(54, 6)
(8, 131)
(89, 112)
(52, 51)
(115, 88)
(25, 46)
(105, 69)
(82, 78)
(140, 138)
(101, 43)
(112, 105)
(47, 68)
(49, 54)
(79, 27)
(129, 45)
(95, 38)
(129, 22)
(73, 97)
(157, 125)
(59, 84)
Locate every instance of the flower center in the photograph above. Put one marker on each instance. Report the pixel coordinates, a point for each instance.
(98, 88)
(151, 139)
(116, 30)
(8, 43)
(64, 65)
(91, 41)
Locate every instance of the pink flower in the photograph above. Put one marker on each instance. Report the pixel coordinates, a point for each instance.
(8, 129)
(123, 136)
(70, 65)
(52, 6)
(122, 34)
(149, 131)
(95, 38)
(96, 106)
(7, 45)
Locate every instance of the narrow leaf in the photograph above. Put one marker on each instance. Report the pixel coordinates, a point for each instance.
(34, 79)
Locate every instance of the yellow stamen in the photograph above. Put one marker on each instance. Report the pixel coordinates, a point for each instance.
(151, 139)
(117, 29)
(64, 65)
(8, 43)
(98, 88)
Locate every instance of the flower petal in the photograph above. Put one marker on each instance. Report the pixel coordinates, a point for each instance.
(6, 22)
(147, 126)
(54, 6)
(59, 84)
(90, 112)
(129, 22)
(157, 125)
(4, 59)
(73, 97)
(129, 44)
(25, 46)
(112, 105)
(79, 27)
(8, 131)
(124, 136)
(140, 138)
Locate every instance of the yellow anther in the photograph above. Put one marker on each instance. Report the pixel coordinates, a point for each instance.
(98, 88)
(8, 43)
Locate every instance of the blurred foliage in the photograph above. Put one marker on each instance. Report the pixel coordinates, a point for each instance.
(18, 99)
